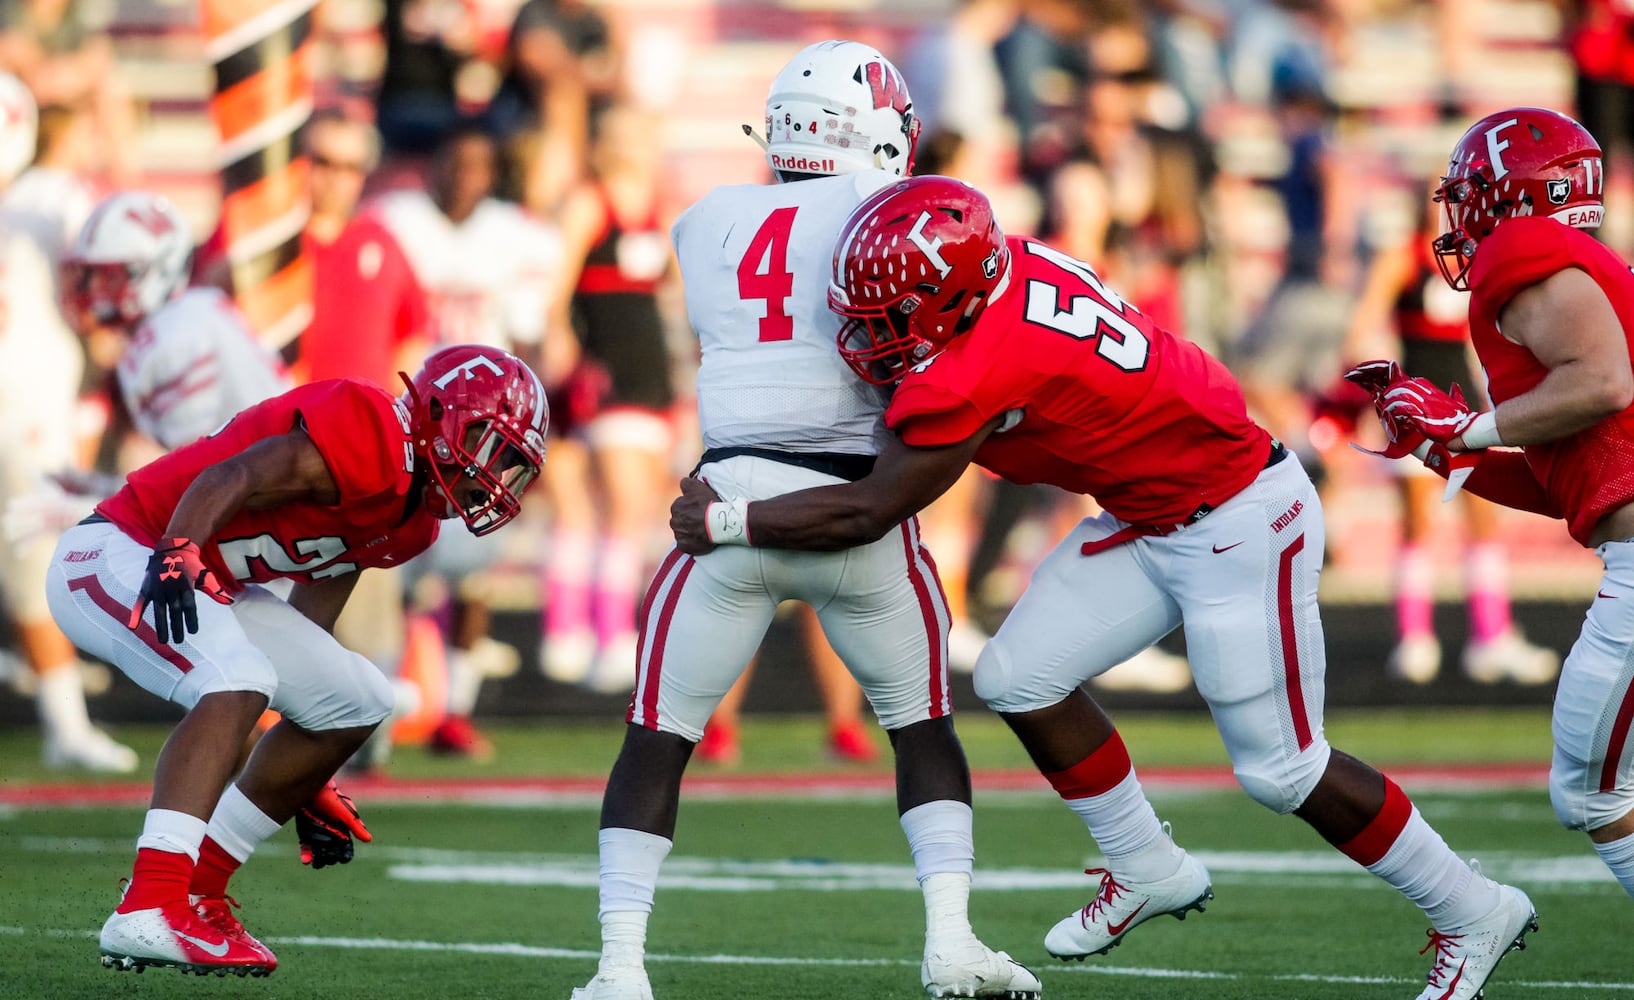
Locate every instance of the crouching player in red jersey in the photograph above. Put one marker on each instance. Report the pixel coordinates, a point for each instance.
(1551, 313)
(312, 486)
(1013, 355)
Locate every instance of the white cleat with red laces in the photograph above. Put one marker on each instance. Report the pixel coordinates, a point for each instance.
(1466, 956)
(178, 937)
(1120, 906)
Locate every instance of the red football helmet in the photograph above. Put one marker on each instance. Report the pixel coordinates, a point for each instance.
(478, 413)
(1523, 161)
(914, 267)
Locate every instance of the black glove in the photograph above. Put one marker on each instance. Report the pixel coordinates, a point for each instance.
(326, 826)
(175, 570)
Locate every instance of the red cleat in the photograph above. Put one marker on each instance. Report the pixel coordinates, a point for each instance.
(179, 937)
(456, 736)
(217, 911)
(719, 745)
(850, 742)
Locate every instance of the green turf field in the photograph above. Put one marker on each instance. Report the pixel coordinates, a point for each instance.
(790, 898)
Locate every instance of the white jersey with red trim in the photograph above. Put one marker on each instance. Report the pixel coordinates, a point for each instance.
(756, 260)
(192, 366)
(40, 361)
(488, 279)
(50, 206)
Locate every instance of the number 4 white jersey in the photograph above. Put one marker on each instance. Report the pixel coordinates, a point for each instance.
(756, 261)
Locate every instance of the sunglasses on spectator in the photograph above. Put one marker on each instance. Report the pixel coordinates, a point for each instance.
(329, 163)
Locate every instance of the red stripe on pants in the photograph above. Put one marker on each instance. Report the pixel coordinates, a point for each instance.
(651, 658)
(1290, 641)
(933, 630)
(121, 614)
(1619, 739)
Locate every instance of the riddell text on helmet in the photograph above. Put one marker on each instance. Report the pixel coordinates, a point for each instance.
(803, 164)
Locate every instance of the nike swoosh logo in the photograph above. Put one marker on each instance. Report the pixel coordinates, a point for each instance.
(218, 950)
(1602, 593)
(1452, 987)
(1228, 548)
(1116, 929)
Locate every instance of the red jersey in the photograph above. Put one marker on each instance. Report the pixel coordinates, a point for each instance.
(1109, 403)
(363, 435)
(365, 304)
(1591, 473)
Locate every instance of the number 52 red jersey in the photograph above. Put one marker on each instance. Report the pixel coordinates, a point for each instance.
(1102, 400)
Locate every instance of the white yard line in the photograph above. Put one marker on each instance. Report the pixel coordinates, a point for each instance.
(515, 950)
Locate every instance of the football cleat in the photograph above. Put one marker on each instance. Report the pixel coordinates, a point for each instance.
(91, 750)
(849, 742)
(176, 936)
(217, 911)
(1465, 957)
(1510, 657)
(566, 658)
(1416, 659)
(616, 982)
(456, 736)
(971, 969)
(1119, 907)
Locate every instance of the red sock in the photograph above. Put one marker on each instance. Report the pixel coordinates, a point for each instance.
(1096, 774)
(1369, 846)
(215, 867)
(159, 879)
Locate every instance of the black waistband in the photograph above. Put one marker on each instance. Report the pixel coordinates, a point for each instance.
(95, 518)
(829, 463)
(1279, 451)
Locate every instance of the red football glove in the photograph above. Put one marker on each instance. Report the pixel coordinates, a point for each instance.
(175, 570)
(326, 826)
(1438, 415)
(1378, 378)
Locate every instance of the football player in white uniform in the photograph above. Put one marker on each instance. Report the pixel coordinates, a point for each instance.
(40, 370)
(488, 270)
(779, 412)
(191, 362)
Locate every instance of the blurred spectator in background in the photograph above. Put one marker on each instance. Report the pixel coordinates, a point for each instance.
(368, 312)
(51, 47)
(616, 251)
(1290, 351)
(40, 367)
(1405, 295)
(1045, 62)
(1600, 39)
(54, 196)
(487, 270)
(959, 88)
(564, 67)
(427, 44)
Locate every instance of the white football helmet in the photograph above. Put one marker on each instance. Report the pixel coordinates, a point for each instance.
(19, 121)
(131, 257)
(839, 107)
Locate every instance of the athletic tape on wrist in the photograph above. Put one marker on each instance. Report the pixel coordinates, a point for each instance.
(1482, 432)
(727, 521)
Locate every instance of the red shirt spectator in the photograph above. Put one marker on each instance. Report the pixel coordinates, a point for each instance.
(366, 306)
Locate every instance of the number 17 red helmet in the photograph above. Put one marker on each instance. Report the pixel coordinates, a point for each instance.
(477, 415)
(915, 266)
(1521, 161)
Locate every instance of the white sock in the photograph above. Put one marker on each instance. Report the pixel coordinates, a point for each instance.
(1421, 866)
(172, 832)
(623, 938)
(1619, 857)
(238, 825)
(60, 700)
(464, 681)
(1128, 832)
(940, 838)
(630, 860)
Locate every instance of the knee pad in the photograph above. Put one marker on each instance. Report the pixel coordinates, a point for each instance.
(992, 678)
(361, 696)
(1575, 806)
(1284, 788)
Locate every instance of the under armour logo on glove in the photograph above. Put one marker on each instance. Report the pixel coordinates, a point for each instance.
(1438, 415)
(175, 570)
